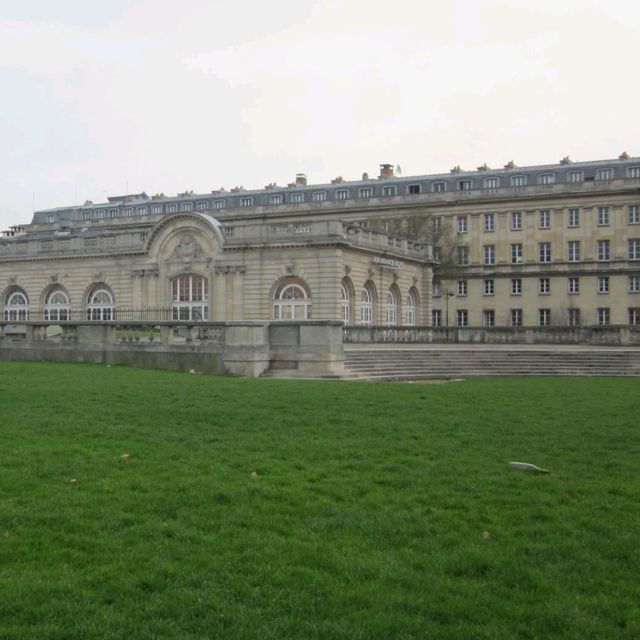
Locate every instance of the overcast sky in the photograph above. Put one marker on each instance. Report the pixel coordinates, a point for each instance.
(159, 95)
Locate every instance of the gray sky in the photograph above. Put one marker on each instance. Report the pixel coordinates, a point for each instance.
(169, 96)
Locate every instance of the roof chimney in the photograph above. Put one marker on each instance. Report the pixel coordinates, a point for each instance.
(301, 179)
(386, 171)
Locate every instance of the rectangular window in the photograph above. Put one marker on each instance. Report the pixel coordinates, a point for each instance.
(574, 285)
(574, 218)
(489, 318)
(463, 256)
(365, 192)
(202, 205)
(439, 187)
(547, 178)
(172, 208)
(463, 224)
(414, 189)
(113, 213)
(319, 196)
(544, 317)
(544, 286)
(516, 220)
(604, 250)
(388, 190)
(51, 217)
(634, 284)
(436, 318)
(516, 317)
(462, 318)
(246, 202)
(491, 183)
(488, 221)
(461, 288)
(436, 224)
(516, 286)
(574, 250)
(575, 176)
(544, 219)
(633, 249)
(342, 194)
(219, 204)
(297, 198)
(436, 289)
(604, 174)
(544, 252)
(519, 181)
(127, 211)
(276, 198)
(464, 185)
(489, 254)
(634, 214)
(488, 287)
(437, 253)
(634, 316)
(603, 284)
(573, 317)
(604, 316)
(156, 209)
(186, 206)
(603, 216)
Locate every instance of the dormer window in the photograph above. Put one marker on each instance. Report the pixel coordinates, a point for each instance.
(547, 178)
(202, 205)
(276, 198)
(491, 183)
(633, 172)
(389, 190)
(575, 176)
(464, 185)
(439, 187)
(414, 189)
(342, 194)
(156, 209)
(219, 204)
(127, 211)
(297, 198)
(186, 206)
(246, 202)
(319, 196)
(365, 192)
(518, 181)
(604, 174)
(51, 217)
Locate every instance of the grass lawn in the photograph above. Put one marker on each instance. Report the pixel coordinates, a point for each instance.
(151, 504)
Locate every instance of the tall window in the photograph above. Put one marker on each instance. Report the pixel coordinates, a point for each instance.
(489, 254)
(604, 315)
(633, 284)
(488, 287)
(634, 214)
(56, 305)
(366, 305)
(544, 286)
(16, 305)
(461, 288)
(516, 253)
(603, 284)
(516, 220)
(436, 317)
(574, 285)
(603, 216)
(516, 317)
(604, 250)
(489, 221)
(574, 218)
(462, 318)
(574, 250)
(190, 297)
(545, 219)
(633, 249)
(345, 304)
(291, 302)
(544, 250)
(463, 256)
(100, 304)
(463, 224)
(392, 307)
(573, 317)
(489, 318)
(544, 317)
(410, 308)
(516, 287)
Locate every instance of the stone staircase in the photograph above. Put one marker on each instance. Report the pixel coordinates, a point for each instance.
(444, 363)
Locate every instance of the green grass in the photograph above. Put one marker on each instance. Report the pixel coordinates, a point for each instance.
(367, 517)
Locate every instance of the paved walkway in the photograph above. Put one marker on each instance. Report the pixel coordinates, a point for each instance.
(487, 347)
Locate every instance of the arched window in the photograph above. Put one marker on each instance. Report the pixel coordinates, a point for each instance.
(190, 297)
(410, 308)
(366, 305)
(56, 305)
(100, 304)
(291, 302)
(16, 305)
(345, 304)
(392, 307)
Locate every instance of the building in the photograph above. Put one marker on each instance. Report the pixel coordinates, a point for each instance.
(550, 245)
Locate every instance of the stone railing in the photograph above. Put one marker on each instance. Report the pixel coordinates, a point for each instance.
(236, 348)
(594, 335)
